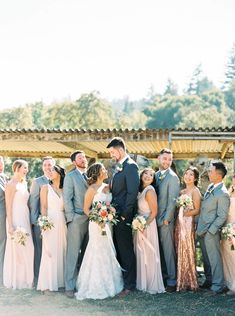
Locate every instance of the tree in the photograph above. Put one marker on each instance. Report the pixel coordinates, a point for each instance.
(230, 68)
(229, 95)
(19, 117)
(199, 83)
(171, 88)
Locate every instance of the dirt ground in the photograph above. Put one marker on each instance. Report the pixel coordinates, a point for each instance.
(32, 302)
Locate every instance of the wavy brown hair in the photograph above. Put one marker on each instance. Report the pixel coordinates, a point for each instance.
(93, 172)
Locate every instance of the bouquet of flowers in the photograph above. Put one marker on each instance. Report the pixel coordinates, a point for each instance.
(228, 233)
(102, 213)
(139, 223)
(185, 201)
(20, 235)
(45, 223)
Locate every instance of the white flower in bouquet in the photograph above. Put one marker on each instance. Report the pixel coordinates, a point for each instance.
(45, 223)
(139, 223)
(20, 235)
(102, 213)
(228, 233)
(184, 200)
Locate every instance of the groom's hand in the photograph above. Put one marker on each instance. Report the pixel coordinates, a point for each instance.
(165, 222)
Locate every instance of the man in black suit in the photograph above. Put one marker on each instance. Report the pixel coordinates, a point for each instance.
(125, 187)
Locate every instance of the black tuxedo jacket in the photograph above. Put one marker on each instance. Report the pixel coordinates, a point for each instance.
(125, 187)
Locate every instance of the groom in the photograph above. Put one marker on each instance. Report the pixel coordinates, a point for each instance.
(125, 187)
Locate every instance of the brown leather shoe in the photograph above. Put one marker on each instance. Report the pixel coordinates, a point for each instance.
(124, 293)
(69, 294)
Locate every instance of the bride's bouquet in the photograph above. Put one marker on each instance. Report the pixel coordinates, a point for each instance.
(103, 213)
(45, 223)
(20, 235)
(139, 223)
(185, 201)
(228, 233)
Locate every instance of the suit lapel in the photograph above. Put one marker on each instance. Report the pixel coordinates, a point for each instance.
(81, 177)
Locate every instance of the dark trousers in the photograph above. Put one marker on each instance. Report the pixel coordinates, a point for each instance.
(123, 241)
(37, 241)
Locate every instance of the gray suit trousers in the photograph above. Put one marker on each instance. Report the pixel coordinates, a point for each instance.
(166, 234)
(2, 244)
(211, 244)
(77, 231)
(37, 241)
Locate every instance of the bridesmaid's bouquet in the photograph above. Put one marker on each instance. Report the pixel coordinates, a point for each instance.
(45, 223)
(20, 235)
(228, 233)
(185, 201)
(102, 213)
(139, 223)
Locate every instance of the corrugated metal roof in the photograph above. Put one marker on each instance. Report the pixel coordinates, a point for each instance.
(185, 143)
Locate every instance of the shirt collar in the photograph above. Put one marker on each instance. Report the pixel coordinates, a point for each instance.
(123, 159)
(164, 171)
(214, 185)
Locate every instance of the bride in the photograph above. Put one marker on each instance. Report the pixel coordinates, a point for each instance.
(100, 275)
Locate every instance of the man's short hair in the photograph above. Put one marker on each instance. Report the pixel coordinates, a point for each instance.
(48, 158)
(220, 167)
(165, 151)
(117, 142)
(74, 154)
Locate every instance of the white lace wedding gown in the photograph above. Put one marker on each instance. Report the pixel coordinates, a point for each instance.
(100, 275)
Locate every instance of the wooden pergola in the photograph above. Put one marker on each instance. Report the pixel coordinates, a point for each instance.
(60, 143)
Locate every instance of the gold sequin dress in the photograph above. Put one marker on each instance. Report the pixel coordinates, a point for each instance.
(186, 252)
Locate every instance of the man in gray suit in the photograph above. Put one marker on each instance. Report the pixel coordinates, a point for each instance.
(167, 188)
(75, 186)
(34, 206)
(3, 181)
(214, 211)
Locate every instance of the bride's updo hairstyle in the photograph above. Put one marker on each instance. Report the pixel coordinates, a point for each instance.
(93, 172)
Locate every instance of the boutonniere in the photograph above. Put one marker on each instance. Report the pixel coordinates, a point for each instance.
(162, 176)
(119, 167)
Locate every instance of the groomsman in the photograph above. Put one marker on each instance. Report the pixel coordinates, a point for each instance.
(3, 181)
(125, 187)
(75, 186)
(214, 211)
(34, 206)
(167, 188)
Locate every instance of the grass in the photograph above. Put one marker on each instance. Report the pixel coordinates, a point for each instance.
(31, 302)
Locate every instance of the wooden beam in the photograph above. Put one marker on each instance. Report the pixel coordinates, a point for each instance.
(225, 148)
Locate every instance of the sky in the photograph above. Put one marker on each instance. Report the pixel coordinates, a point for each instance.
(53, 50)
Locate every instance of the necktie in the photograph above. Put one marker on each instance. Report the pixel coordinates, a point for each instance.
(209, 190)
(84, 176)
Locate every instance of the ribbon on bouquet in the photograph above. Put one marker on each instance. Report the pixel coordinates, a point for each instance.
(140, 235)
(184, 222)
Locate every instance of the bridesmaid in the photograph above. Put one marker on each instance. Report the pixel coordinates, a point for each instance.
(18, 261)
(228, 255)
(185, 234)
(146, 246)
(51, 272)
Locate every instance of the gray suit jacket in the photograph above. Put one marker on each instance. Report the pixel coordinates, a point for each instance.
(34, 198)
(3, 182)
(75, 187)
(167, 192)
(214, 210)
